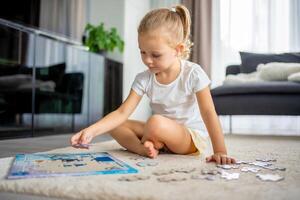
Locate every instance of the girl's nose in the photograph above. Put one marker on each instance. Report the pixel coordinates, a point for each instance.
(148, 60)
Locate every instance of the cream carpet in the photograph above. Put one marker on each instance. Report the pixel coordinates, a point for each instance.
(285, 149)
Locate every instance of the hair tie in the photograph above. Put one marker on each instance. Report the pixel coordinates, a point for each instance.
(173, 9)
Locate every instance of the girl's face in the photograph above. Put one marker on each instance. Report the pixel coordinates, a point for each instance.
(156, 52)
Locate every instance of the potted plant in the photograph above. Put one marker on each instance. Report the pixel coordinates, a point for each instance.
(100, 40)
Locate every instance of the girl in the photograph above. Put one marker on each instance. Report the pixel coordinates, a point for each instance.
(178, 91)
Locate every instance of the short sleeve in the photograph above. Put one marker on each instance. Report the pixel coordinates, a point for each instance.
(198, 79)
(140, 82)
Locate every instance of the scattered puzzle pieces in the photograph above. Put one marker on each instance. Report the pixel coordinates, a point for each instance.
(239, 162)
(185, 170)
(162, 172)
(205, 177)
(274, 168)
(269, 177)
(138, 158)
(266, 160)
(134, 178)
(250, 169)
(167, 175)
(260, 164)
(82, 146)
(209, 172)
(147, 163)
(228, 166)
(230, 176)
(171, 179)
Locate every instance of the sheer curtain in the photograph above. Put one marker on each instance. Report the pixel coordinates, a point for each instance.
(262, 26)
(201, 32)
(265, 26)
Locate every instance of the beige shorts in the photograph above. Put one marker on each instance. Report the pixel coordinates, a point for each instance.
(200, 141)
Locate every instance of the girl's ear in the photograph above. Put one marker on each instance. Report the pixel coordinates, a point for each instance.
(179, 49)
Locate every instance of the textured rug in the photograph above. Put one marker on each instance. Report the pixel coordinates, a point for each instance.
(285, 149)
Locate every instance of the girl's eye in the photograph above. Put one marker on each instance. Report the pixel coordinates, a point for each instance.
(142, 52)
(156, 55)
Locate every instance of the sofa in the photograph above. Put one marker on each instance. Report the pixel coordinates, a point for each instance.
(276, 97)
(56, 91)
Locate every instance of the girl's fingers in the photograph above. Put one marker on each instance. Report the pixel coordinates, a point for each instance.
(223, 160)
(228, 160)
(233, 161)
(217, 158)
(85, 139)
(208, 159)
(75, 138)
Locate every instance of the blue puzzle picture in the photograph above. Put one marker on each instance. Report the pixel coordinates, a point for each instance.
(79, 164)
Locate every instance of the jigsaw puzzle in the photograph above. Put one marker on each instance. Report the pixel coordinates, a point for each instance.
(46, 165)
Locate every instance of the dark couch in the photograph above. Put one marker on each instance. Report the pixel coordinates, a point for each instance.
(65, 97)
(261, 98)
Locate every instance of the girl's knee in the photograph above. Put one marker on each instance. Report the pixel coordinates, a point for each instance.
(154, 126)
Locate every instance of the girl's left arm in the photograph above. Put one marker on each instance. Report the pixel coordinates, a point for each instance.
(213, 126)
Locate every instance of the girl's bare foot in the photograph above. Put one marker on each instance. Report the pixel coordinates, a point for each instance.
(150, 150)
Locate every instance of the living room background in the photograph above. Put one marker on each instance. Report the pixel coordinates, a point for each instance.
(258, 26)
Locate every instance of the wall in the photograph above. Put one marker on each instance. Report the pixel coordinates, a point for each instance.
(134, 12)
(125, 16)
(111, 13)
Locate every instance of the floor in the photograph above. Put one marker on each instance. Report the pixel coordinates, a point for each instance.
(286, 148)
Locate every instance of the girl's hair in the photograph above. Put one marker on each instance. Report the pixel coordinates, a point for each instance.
(176, 22)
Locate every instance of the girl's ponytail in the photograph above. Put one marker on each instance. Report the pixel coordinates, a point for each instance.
(185, 17)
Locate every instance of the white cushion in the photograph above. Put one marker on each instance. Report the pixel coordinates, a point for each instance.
(241, 78)
(294, 77)
(277, 71)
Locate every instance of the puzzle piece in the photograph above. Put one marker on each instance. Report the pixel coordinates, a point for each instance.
(82, 146)
(269, 177)
(209, 172)
(274, 168)
(171, 179)
(206, 177)
(162, 172)
(228, 166)
(250, 169)
(146, 163)
(230, 176)
(266, 160)
(241, 162)
(184, 170)
(260, 164)
(134, 178)
(138, 158)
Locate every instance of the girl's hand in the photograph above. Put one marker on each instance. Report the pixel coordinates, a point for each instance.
(84, 136)
(220, 158)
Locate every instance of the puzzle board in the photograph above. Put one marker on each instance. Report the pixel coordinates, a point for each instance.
(46, 165)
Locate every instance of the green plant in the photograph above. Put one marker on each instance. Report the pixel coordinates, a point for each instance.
(99, 39)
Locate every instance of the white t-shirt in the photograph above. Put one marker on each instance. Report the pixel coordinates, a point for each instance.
(176, 100)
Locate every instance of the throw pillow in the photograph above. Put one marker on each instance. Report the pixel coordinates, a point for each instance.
(277, 71)
(251, 60)
(294, 77)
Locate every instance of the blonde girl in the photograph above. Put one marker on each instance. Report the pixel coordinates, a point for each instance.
(178, 91)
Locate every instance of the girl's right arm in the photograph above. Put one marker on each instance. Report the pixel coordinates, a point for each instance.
(109, 122)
